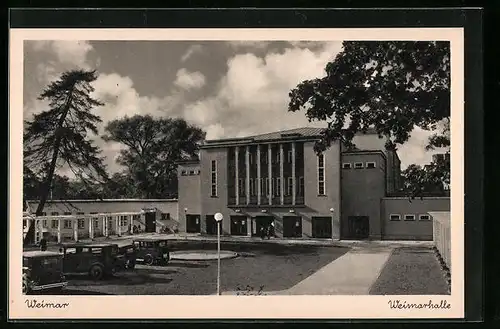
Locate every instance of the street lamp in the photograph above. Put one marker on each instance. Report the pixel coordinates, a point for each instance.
(333, 220)
(218, 218)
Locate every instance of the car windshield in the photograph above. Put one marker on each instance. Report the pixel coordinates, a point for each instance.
(51, 262)
(162, 243)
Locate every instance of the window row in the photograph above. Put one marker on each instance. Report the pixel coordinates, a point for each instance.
(68, 223)
(264, 156)
(193, 172)
(410, 217)
(275, 186)
(359, 165)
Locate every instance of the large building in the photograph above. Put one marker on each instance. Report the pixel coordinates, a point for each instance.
(278, 178)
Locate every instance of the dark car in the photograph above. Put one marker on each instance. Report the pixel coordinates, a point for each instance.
(128, 254)
(43, 271)
(152, 251)
(95, 259)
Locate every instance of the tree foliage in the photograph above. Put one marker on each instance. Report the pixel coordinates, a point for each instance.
(432, 178)
(392, 86)
(60, 136)
(152, 148)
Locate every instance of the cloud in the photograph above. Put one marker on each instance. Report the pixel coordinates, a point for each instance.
(189, 80)
(193, 49)
(258, 44)
(252, 97)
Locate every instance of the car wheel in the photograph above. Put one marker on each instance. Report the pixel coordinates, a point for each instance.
(148, 259)
(96, 272)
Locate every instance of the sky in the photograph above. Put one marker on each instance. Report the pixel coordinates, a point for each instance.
(228, 88)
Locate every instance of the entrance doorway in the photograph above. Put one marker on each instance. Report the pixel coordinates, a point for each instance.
(260, 223)
(238, 225)
(193, 224)
(359, 227)
(321, 227)
(150, 218)
(211, 224)
(292, 226)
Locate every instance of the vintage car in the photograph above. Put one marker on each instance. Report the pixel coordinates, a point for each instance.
(129, 254)
(98, 260)
(152, 251)
(43, 271)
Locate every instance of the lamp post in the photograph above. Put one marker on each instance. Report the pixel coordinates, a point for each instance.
(333, 221)
(218, 218)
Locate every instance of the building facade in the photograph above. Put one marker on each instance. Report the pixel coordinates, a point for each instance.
(278, 178)
(66, 219)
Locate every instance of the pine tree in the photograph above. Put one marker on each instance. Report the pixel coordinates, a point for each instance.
(60, 136)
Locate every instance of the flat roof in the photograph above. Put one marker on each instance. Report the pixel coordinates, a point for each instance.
(107, 200)
(39, 253)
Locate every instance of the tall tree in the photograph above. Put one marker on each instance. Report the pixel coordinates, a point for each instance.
(392, 86)
(153, 146)
(60, 135)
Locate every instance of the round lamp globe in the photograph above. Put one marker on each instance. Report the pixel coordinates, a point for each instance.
(218, 216)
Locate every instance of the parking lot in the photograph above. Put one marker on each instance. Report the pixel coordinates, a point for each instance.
(259, 266)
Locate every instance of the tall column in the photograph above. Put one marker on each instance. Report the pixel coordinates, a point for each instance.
(105, 226)
(259, 179)
(270, 173)
(247, 173)
(237, 174)
(59, 230)
(39, 230)
(118, 226)
(75, 229)
(282, 179)
(294, 179)
(91, 228)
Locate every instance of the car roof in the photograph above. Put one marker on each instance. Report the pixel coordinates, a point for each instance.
(39, 253)
(95, 245)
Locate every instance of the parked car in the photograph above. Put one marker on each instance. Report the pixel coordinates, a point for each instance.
(152, 251)
(95, 259)
(129, 254)
(43, 271)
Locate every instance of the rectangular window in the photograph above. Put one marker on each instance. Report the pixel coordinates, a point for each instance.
(370, 165)
(183, 172)
(54, 223)
(213, 171)
(346, 165)
(164, 216)
(321, 174)
(409, 217)
(44, 213)
(54, 213)
(81, 223)
(67, 223)
(138, 217)
(278, 157)
(241, 187)
(424, 217)
(301, 187)
(394, 217)
(358, 165)
(290, 186)
(123, 220)
(250, 158)
(290, 156)
(191, 173)
(265, 186)
(67, 213)
(82, 213)
(96, 223)
(278, 186)
(44, 223)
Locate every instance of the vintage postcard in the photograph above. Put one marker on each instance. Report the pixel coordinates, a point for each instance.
(236, 173)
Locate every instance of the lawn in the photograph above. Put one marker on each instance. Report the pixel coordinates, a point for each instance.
(411, 271)
(269, 266)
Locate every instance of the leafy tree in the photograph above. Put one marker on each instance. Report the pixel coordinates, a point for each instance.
(60, 135)
(429, 179)
(153, 146)
(392, 86)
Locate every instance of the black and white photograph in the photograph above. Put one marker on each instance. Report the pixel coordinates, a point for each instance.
(269, 167)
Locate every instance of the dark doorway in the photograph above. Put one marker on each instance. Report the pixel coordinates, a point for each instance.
(211, 225)
(150, 218)
(238, 225)
(321, 227)
(359, 227)
(193, 224)
(261, 223)
(292, 227)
